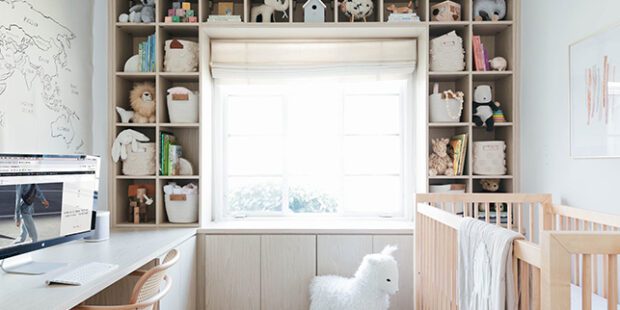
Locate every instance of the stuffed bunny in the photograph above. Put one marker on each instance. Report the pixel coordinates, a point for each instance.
(127, 137)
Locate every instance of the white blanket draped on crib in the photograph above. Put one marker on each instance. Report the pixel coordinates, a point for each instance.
(485, 276)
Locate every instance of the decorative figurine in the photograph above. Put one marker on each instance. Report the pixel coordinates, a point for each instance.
(264, 13)
(357, 9)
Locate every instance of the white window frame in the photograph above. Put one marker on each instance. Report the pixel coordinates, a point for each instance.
(407, 136)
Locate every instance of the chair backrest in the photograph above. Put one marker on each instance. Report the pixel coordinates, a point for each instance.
(149, 284)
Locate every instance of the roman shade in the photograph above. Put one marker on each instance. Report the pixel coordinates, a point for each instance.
(290, 58)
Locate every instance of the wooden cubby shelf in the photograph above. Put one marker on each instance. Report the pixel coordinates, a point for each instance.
(500, 37)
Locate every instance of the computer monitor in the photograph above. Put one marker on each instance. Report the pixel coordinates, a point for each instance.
(45, 200)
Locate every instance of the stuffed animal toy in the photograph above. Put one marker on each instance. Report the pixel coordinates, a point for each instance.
(490, 185)
(374, 281)
(498, 64)
(143, 12)
(127, 137)
(489, 10)
(264, 13)
(125, 115)
(402, 9)
(357, 9)
(143, 101)
(440, 162)
(484, 107)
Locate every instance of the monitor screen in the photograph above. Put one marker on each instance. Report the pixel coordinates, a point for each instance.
(45, 197)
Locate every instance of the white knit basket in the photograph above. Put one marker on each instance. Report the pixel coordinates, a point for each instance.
(490, 157)
(183, 111)
(182, 211)
(444, 110)
(140, 163)
(181, 59)
(447, 53)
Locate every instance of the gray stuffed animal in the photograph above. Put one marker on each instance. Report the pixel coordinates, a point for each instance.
(489, 10)
(143, 12)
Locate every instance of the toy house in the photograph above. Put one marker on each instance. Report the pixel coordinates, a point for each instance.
(446, 11)
(314, 11)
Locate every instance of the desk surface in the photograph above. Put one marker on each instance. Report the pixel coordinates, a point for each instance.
(129, 249)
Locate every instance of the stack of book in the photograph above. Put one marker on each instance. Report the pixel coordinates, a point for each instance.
(458, 145)
(403, 18)
(481, 55)
(224, 19)
(169, 154)
(146, 51)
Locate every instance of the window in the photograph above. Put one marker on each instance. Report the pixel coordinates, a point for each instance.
(310, 148)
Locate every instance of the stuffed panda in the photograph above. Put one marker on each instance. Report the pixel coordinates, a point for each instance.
(484, 107)
(485, 10)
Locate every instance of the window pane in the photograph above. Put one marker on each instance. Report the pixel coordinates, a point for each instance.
(313, 155)
(247, 195)
(372, 114)
(314, 194)
(256, 115)
(372, 155)
(314, 113)
(255, 156)
(378, 195)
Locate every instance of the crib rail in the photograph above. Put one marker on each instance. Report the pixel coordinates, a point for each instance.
(558, 250)
(436, 257)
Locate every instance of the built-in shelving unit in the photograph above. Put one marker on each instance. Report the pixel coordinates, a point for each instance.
(500, 37)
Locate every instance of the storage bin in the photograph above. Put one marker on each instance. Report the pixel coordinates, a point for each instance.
(182, 105)
(180, 56)
(447, 53)
(489, 157)
(444, 110)
(140, 163)
(181, 208)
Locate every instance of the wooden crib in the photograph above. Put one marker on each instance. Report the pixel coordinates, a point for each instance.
(569, 256)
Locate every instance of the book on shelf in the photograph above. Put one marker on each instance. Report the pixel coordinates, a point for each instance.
(224, 18)
(458, 146)
(146, 54)
(403, 17)
(166, 139)
(174, 156)
(477, 48)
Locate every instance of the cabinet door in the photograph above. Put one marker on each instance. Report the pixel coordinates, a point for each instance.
(341, 254)
(288, 264)
(403, 300)
(182, 295)
(232, 272)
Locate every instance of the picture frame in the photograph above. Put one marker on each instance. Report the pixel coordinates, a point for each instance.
(594, 72)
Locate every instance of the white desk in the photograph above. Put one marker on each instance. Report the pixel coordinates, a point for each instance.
(129, 249)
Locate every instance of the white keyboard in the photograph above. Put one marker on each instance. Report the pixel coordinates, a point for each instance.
(82, 274)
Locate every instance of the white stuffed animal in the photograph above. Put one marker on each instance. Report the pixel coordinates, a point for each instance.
(125, 137)
(374, 281)
(266, 11)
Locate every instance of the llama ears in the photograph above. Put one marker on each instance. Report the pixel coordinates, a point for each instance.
(389, 250)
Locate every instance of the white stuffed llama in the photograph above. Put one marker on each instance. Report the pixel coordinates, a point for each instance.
(374, 281)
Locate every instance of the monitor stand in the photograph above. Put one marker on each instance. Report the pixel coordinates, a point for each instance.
(23, 264)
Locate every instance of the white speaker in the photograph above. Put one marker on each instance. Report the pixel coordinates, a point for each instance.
(102, 227)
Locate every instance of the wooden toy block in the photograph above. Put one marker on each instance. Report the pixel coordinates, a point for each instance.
(186, 6)
(176, 19)
(176, 5)
(189, 13)
(193, 19)
(171, 12)
(168, 19)
(180, 12)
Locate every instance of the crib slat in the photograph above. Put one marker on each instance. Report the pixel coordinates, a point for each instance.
(487, 212)
(498, 214)
(535, 288)
(509, 209)
(612, 279)
(605, 270)
(586, 288)
(524, 288)
(520, 217)
(531, 221)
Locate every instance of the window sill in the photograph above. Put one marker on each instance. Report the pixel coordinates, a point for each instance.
(322, 226)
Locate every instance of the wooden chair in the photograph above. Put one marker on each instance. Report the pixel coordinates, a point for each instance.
(147, 292)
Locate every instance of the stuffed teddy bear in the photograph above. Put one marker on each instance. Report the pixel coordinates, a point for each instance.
(440, 162)
(143, 12)
(490, 185)
(489, 10)
(143, 101)
(484, 107)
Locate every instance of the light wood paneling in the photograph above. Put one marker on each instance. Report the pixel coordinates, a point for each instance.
(403, 300)
(341, 254)
(232, 276)
(288, 264)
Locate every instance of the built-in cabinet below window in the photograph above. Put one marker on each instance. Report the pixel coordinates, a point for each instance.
(251, 272)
